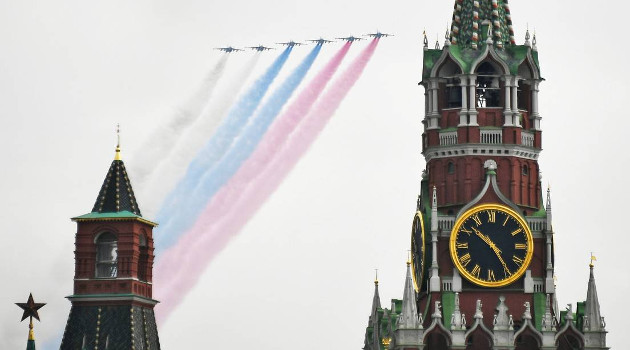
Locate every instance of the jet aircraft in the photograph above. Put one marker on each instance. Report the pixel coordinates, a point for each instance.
(320, 41)
(227, 49)
(379, 35)
(291, 43)
(260, 48)
(350, 38)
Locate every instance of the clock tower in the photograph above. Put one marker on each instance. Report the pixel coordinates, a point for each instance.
(482, 261)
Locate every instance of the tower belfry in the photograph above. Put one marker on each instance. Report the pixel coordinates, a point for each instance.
(483, 266)
(112, 304)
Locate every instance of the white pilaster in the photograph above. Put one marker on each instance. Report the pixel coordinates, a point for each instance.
(515, 115)
(472, 110)
(535, 115)
(507, 110)
(463, 113)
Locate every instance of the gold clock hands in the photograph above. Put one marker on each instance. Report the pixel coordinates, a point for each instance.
(495, 249)
(484, 238)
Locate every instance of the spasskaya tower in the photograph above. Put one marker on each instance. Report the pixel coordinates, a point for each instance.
(481, 272)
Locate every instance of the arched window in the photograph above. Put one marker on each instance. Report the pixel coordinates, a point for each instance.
(451, 168)
(144, 258)
(525, 170)
(453, 93)
(106, 255)
(449, 75)
(488, 87)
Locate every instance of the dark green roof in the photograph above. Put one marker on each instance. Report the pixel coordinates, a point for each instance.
(116, 194)
(513, 56)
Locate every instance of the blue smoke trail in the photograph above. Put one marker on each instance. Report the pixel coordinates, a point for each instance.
(217, 175)
(216, 147)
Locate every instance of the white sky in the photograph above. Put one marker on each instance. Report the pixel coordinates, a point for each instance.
(301, 271)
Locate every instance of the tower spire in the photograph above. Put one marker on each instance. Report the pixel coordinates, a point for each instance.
(409, 316)
(376, 305)
(592, 312)
(117, 157)
(116, 194)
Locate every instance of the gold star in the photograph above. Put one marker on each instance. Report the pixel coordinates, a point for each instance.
(30, 308)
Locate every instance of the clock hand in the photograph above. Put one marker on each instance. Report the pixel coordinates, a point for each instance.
(495, 249)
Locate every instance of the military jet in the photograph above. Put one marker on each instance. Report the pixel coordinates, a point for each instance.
(260, 48)
(351, 38)
(379, 35)
(320, 41)
(227, 49)
(290, 43)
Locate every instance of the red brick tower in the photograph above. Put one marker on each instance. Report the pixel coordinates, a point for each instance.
(482, 238)
(112, 305)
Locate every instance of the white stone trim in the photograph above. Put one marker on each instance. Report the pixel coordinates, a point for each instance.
(480, 150)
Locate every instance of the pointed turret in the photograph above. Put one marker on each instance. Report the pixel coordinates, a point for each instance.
(594, 326)
(592, 313)
(472, 18)
(409, 316)
(116, 194)
(376, 300)
(374, 319)
(409, 331)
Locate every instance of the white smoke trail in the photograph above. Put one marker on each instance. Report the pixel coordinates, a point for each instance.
(162, 139)
(173, 166)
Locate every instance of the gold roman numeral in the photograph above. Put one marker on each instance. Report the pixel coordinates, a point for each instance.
(461, 245)
(521, 246)
(517, 231)
(491, 277)
(507, 217)
(518, 260)
(476, 271)
(463, 229)
(465, 259)
(507, 271)
(492, 216)
(476, 219)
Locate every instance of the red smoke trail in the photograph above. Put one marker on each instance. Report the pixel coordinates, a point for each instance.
(180, 267)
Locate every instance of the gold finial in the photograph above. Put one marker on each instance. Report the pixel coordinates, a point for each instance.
(117, 157)
(376, 278)
(593, 258)
(31, 334)
(409, 257)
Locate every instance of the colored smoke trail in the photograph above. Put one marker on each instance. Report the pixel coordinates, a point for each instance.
(161, 141)
(179, 269)
(219, 173)
(173, 167)
(216, 147)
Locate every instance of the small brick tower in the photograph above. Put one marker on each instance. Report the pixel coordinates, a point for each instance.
(112, 305)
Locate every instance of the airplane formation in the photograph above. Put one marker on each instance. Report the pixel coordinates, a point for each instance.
(320, 41)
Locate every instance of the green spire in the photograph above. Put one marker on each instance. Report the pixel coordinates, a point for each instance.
(474, 20)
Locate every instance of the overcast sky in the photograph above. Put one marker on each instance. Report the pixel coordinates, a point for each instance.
(300, 273)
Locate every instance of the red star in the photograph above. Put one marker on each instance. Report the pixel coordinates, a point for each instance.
(30, 308)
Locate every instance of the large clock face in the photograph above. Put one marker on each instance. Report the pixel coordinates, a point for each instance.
(418, 255)
(491, 245)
